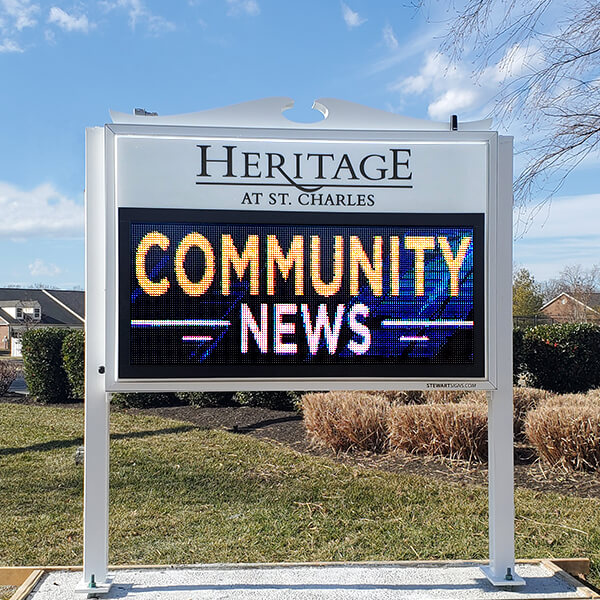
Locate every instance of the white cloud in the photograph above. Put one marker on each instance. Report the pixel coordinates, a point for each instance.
(138, 13)
(351, 18)
(243, 7)
(453, 88)
(158, 25)
(562, 216)
(560, 233)
(451, 102)
(435, 68)
(517, 61)
(40, 212)
(10, 46)
(389, 38)
(68, 22)
(18, 14)
(419, 43)
(39, 268)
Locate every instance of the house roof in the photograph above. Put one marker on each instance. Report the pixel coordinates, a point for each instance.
(59, 307)
(72, 300)
(20, 303)
(594, 299)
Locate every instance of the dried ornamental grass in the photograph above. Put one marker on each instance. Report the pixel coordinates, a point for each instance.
(443, 396)
(565, 431)
(524, 400)
(403, 396)
(559, 401)
(454, 396)
(453, 430)
(594, 395)
(346, 420)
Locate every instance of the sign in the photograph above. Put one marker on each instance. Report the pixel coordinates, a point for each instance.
(233, 249)
(305, 259)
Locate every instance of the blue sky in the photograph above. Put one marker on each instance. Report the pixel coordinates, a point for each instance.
(63, 65)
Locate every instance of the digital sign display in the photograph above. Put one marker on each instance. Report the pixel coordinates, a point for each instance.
(243, 294)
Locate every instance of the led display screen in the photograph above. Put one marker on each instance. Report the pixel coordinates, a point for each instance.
(217, 294)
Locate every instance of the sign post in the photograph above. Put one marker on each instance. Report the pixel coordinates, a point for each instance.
(366, 251)
(500, 401)
(96, 435)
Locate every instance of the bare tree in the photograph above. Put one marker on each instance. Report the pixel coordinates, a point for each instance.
(555, 95)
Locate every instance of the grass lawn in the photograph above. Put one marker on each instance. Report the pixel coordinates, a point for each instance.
(184, 495)
(6, 591)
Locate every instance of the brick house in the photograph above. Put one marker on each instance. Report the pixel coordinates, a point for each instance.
(22, 309)
(564, 308)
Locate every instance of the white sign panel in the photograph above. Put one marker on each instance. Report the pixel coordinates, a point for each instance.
(398, 175)
(299, 259)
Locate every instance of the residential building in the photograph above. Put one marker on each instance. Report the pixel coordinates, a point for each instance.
(23, 309)
(565, 308)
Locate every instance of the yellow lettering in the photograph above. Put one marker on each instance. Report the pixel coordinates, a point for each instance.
(152, 288)
(230, 257)
(295, 257)
(454, 262)
(326, 289)
(419, 244)
(395, 265)
(374, 273)
(198, 241)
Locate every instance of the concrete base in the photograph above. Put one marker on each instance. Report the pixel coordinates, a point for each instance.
(356, 581)
(513, 581)
(101, 588)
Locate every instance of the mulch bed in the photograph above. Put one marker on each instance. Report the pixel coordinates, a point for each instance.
(287, 428)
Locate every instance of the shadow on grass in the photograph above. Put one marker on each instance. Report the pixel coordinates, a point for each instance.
(78, 441)
(264, 423)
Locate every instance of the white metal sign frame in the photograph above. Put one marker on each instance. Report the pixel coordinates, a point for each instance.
(344, 123)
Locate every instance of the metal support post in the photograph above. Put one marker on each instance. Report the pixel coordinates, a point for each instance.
(501, 569)
(96, 438)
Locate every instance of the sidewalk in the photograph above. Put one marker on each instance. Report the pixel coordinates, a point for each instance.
(361, 581)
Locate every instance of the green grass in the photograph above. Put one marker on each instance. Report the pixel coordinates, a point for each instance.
(6, 591)
(183, 495)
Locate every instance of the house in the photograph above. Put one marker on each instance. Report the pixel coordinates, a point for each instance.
(22, 309)
(564, 308)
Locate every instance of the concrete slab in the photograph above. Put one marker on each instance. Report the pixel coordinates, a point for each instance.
(361, 581)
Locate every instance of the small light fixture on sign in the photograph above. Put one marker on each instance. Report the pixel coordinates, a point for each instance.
(142, 112)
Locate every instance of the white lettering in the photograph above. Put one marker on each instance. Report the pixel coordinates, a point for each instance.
(322, 324)
(360, 329)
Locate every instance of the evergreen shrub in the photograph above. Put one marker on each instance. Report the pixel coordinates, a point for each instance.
(519, 366)
(272, 400)
(73, 355)
(206, 399)
(563, 358)
(45, 376)
(144, 400)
